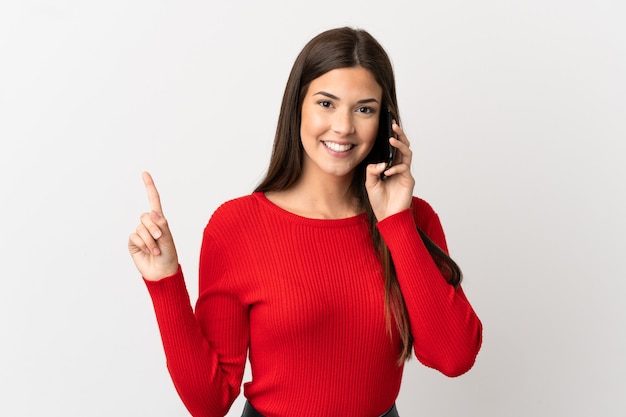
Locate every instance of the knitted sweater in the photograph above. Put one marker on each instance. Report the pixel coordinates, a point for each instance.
(305, 299)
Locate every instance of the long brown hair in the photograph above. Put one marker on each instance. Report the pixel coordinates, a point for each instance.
(344, 48)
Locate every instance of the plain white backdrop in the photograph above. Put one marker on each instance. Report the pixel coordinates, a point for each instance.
(516, 111)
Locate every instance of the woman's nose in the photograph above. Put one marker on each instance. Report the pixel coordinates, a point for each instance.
(343, 123)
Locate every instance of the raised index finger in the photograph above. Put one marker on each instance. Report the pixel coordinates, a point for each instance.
(153, 194)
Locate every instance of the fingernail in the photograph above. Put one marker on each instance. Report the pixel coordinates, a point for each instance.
(156, 234)
(381, 165)
(156, 251)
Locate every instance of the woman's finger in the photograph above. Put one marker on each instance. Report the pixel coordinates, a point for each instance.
(136, 244)
(149, 242)
(401, 136)
(372, 174)
(396, 170)
(153, 194)
(404, 154)
(149, 220)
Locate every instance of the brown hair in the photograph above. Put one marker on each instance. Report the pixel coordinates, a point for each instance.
(344, 48)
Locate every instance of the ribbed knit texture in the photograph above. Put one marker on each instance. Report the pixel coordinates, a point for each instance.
(307, 297)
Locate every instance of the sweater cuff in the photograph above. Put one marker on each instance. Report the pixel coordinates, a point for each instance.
(398, 228)
(167, 288)
(152, 283)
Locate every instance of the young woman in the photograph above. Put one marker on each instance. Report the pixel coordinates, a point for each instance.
(329, 275)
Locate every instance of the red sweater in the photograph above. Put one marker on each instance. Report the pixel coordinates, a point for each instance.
(306, 297)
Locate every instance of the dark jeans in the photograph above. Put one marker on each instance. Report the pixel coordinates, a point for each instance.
(249, 411)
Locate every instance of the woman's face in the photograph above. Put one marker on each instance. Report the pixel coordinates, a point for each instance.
(339, 125)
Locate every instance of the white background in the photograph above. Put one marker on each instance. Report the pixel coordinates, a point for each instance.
(516, 111)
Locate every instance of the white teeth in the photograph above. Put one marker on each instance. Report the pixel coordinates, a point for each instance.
(337, 147)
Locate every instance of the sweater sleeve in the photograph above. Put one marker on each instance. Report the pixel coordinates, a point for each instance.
(206, 349)
(447, 332)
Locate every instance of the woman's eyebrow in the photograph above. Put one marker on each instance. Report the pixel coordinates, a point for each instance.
(334, 97)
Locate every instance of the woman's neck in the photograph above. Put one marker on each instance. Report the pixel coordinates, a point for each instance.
(328, 198)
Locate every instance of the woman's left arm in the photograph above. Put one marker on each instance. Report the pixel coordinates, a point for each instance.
(447, 332)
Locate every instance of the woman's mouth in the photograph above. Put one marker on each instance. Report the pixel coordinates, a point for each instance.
(337, 147)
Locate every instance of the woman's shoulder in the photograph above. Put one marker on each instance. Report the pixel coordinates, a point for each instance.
(236, 209)
(243, 202)
(232, 219)
(422, 207)
(426, 218)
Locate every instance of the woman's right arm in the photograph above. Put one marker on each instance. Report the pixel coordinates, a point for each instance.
(206, 385)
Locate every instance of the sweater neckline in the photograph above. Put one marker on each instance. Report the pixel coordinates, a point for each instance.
(296, 218)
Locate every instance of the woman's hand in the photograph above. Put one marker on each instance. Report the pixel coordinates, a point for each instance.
(395, 193)
(151, 246)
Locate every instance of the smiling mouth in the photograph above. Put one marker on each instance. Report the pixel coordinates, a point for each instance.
(336, 147)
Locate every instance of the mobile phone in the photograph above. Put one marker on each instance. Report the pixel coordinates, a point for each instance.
(392, 151)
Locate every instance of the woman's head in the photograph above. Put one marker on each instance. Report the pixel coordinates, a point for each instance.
(332, 49)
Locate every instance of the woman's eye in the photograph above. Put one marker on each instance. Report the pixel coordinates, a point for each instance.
(366, 110)
(324, 103)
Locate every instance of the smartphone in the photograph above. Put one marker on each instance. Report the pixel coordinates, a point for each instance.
(392, 151)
